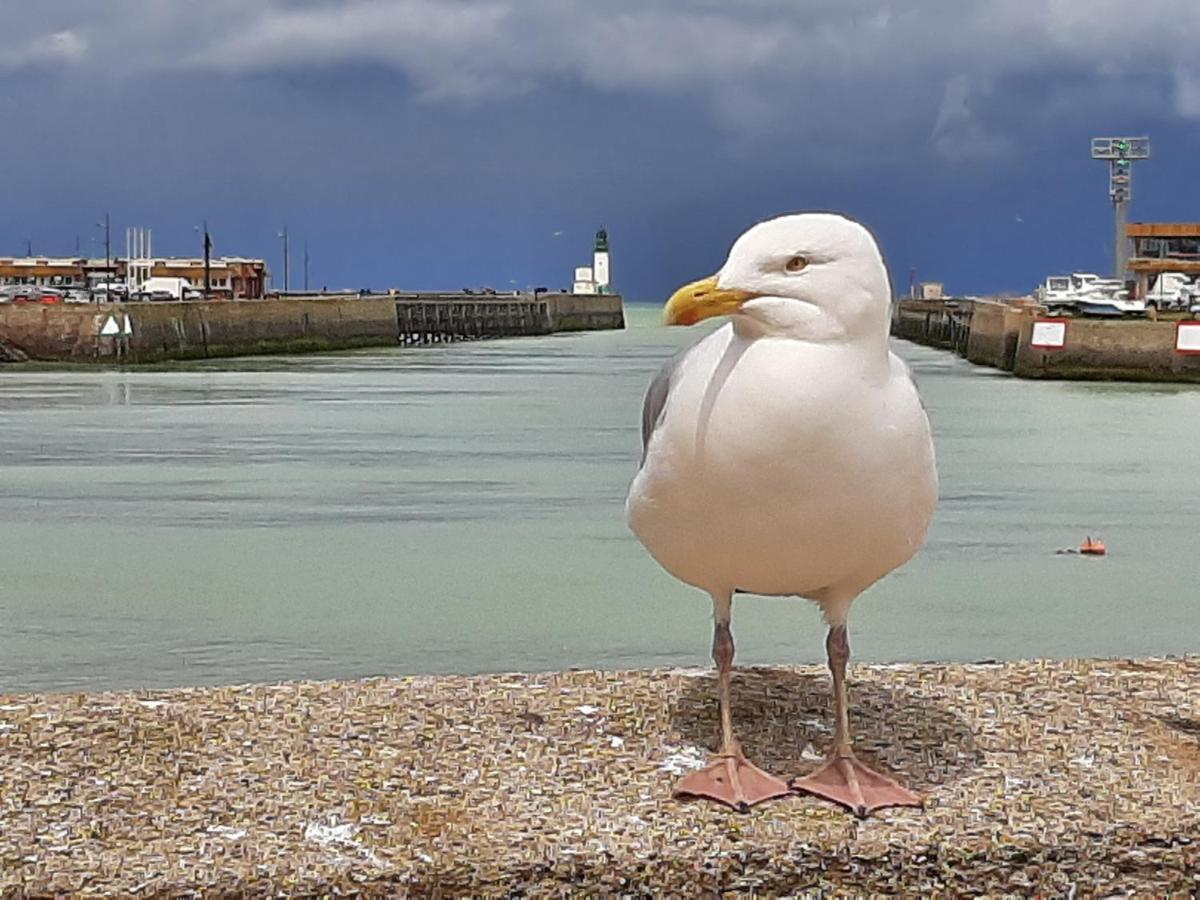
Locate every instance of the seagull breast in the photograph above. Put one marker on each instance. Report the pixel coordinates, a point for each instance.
(787, 452)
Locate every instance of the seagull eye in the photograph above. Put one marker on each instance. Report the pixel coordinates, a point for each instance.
(795, 264)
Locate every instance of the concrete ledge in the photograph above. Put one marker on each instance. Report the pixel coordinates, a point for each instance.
(1059, 778)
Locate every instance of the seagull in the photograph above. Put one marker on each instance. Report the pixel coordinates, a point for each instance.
(787, 453)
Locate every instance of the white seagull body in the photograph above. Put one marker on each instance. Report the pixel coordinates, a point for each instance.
(787, 453)
(780, 467)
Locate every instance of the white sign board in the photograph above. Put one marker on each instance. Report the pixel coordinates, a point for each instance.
(111, 326)
(128, 327)
(1187, 337)
(1049, 334)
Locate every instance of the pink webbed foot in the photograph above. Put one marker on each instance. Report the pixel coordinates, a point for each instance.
(734, 781)
(862, 790)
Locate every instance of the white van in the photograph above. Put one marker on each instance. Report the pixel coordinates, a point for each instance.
(1171, 290)
(167, 289)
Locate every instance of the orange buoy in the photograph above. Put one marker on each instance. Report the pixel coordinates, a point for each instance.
(1091, 547)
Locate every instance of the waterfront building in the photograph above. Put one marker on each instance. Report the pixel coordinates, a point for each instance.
(229, 276)
(594, 279)
(600, 261)
(584, 282)
(1160, 248)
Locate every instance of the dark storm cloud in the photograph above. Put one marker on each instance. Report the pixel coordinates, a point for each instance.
(415, 124)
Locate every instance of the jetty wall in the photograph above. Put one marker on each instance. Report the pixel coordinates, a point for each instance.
(1000, 335)
(1099, 349)
(152, 332)
(994, 330)
(935, 323)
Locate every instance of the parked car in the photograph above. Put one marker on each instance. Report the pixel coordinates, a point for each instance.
(110, 290)
(35, 293)
(1189, 296)
(21, 293)
(1171, 290)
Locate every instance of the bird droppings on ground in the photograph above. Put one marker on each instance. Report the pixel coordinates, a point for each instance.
(1059, 778)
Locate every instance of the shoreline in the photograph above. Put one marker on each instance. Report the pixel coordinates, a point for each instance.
(1038, 775)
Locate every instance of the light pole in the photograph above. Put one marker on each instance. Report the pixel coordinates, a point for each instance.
(1120, 153)
(284, 235)
(207, 256)
(107, 254)
(207, 260)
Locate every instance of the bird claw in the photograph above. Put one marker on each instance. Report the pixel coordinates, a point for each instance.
(734, 781)
(862, 790)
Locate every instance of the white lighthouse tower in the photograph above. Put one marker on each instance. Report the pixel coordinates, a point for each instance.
(600, 261)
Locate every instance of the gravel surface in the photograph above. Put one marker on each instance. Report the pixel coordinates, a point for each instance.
(1062, 778)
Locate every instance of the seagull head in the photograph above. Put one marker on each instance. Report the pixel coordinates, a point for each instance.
(813, 276)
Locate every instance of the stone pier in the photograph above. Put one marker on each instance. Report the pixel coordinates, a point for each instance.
(130, 333)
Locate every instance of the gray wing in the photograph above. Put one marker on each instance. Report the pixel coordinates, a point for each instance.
(656, 397)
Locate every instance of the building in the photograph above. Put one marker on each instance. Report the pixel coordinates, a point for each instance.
(1160, 247)
(584, 283)
(600, 261)
(229, 276)
(594, 279)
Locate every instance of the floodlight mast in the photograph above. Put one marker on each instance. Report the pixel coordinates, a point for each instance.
(1121, 152)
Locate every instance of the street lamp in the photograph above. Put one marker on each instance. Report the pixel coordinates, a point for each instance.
(1120, 152)
(284, 235)
(107, 254)
(207, 255)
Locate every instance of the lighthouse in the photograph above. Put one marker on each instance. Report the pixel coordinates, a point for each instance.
(600, 261)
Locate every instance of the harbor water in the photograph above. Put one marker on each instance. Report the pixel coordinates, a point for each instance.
(459, 508)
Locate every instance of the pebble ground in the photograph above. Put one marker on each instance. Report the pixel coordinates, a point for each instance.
(1078, 778)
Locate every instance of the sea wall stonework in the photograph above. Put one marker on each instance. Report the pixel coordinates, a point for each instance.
(209, 329)
(1000, 335)
(1098, 349)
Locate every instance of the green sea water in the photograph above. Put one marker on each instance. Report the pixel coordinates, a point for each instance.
(459, 508)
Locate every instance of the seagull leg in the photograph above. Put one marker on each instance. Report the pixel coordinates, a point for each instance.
(732, 779)
(842, 778)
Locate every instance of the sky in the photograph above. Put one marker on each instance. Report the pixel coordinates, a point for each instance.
(447, 143)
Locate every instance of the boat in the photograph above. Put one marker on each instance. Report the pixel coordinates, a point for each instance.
(1089, 295)
(1110, 306)
(1093, 547)
(1056, 294)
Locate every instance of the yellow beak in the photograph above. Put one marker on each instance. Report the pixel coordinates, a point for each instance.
(702, 300)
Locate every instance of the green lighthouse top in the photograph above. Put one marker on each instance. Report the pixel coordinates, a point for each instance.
(601, 245)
